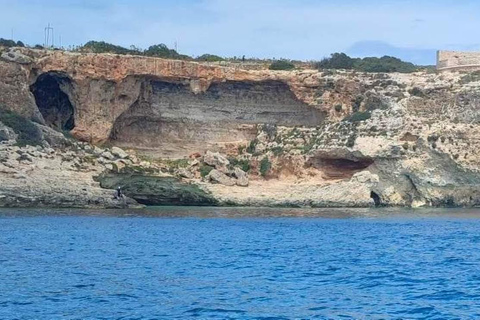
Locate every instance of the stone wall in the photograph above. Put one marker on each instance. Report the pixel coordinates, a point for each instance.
(453, 60)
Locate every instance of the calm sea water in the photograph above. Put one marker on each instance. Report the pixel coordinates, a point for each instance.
(210, 263)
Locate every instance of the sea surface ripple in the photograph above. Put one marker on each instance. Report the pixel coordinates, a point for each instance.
(230, 263)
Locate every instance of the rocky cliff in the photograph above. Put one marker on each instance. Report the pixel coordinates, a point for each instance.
(303, 138)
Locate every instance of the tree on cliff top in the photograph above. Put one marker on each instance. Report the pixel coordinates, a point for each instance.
(162, 51)
(158, 50)
(210, 58)
(336, 61)
(104, 47)
(369, 64)
(384, 64)
(10, 43)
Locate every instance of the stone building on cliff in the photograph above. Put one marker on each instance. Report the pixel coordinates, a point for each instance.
(457, 60)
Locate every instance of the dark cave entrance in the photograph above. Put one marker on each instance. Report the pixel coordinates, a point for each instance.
(54, 104)
(339, 168)
(376, 199)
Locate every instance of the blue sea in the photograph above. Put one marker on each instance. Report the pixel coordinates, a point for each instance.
(240, 263)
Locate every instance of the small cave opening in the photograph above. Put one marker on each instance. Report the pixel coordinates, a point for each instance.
(50, 92)
(339, 168)
(376, 199)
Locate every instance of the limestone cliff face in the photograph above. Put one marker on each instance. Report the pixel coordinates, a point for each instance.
(339, 138)
(143, 102)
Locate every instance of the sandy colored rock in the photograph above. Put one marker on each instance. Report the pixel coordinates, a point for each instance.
(215, 159)
(242, 177)
(216, 176)
(119, 153)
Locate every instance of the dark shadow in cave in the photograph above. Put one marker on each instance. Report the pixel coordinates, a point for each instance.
(52, 101)
(339, 168)
(376, 199)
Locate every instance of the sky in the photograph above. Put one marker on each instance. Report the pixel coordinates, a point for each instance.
(296, 29)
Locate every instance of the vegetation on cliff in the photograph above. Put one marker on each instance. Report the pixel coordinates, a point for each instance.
(210, 58)
(10, 43)
(369, 64)
(28, 133)
(162, 51)
(337, 60)
(158, 50)
(104, 47)
(281, 65)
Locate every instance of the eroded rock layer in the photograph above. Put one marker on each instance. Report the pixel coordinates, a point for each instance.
(174, 121)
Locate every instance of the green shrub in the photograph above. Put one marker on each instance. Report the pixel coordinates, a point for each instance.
(243, 164)
(265, 166)
(277, 150)
(210, 58)
(162, 51)
(158, 50)
(336, 61)
(104, 47)
(251, 146)
(384, 64)
(205, 170)
(28, 133)
(281, 65)
(369, 64)
(10, 43)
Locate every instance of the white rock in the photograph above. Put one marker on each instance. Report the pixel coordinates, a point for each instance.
(119, 153)
(215, 159)
(108, 155)
(242, 177)
(216, 176)
(365, 177)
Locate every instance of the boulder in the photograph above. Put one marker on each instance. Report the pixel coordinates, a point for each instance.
(194, 163)
(25, 157)
(119, 153)
(216, 176)
(184, 173)
(53, 137)
(215, 159)
(108, 155)
(6, 133)
(242, 177)
(17, 57)
(119, 165)
(154, 190)
(97, 151)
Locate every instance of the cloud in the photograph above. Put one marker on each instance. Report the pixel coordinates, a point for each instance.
(299, 29)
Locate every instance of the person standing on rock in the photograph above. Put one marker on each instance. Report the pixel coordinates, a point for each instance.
(119, 193)
(120, 196)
